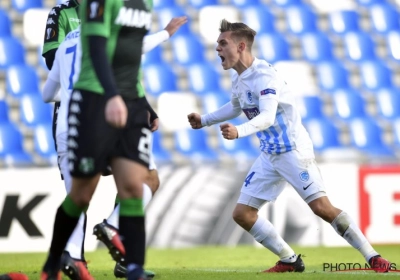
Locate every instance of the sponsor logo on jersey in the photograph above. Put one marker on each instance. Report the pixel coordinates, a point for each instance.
(251, 112)
(268, 91)
(73, 35)
(304, 176)
(133, 18)
(52, 12)
(249, 96)
(50, 21)
(75, 20)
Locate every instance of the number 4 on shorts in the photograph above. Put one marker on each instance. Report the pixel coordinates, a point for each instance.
(248, 179)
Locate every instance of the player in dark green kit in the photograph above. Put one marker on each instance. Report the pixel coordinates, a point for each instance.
(108, 125)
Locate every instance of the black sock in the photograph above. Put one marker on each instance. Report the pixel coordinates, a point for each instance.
(83, 241)
(64, 225)
(132, 232)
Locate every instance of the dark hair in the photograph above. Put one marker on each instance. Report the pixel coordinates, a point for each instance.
(239, 31)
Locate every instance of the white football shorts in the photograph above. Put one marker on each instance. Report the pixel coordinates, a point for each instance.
(270, 173)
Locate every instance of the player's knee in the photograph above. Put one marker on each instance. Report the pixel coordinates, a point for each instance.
(240, 216)
(323, 209)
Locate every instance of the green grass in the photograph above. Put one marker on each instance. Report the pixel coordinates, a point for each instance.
(244, 262)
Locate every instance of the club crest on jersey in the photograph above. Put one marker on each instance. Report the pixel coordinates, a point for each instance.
(268, 91)
(249, 96)
(304, 176)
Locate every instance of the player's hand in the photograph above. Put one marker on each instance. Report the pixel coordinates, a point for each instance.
(195, 120)
(229, 131)
(175, 24)
(154, 125)
(116, 112)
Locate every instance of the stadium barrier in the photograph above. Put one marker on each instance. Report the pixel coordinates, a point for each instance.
(370, 194)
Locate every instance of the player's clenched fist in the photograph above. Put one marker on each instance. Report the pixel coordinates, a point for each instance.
(195, 120)
(229, 131)
(116, 112)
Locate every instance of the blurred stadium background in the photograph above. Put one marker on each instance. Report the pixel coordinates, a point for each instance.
(340, 57)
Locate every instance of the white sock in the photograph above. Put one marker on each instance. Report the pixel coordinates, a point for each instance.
(265, 233)
(75, 242)
(147, 196)
(347, 228)
(113, 219)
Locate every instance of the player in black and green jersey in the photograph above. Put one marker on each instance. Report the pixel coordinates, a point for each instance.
(61, 20)
(108, 124)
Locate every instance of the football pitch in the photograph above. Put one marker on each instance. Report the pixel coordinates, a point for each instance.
(227, 263)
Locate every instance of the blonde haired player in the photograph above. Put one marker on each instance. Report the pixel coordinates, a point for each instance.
(287, 154)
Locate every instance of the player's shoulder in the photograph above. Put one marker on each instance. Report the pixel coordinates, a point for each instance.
(262, 67)
(56, 10)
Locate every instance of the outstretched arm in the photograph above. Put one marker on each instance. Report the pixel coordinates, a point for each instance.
(153, 40)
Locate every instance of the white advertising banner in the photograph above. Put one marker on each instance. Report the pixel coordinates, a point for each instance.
(29, 199)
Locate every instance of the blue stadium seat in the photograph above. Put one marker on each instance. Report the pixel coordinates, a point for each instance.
(375, 74)
(310, 107)
(198, 4)
(21, 79)
(273, 47)
(159, 152)
(153, 56)
(5, 24)
(187, 49)
(344, 21)
(359, 46)
(245, 3)
(285, 3)
(396, 132)
(323, 133)
(11, 146)
(388, 103)
(159, 78)
(367, 136)
(258, 18)
(193, 143)
(300, 19)
(369, 2)
(348, 104)
(11, 52)
(203, 78)
(160, 4)
(241, 149)
(212, 101)
(34, 111)
(393, 45)
(316, 47)
(4, 110)
(332, 75)
(44, 143)
(22, 5)
(166, 14)
(384, 18)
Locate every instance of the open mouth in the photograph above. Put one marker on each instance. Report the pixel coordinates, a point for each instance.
(222, 58)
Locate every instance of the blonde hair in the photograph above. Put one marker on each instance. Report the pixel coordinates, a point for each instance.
(239, 31)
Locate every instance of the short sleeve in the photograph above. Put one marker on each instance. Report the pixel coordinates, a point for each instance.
(96, 17)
